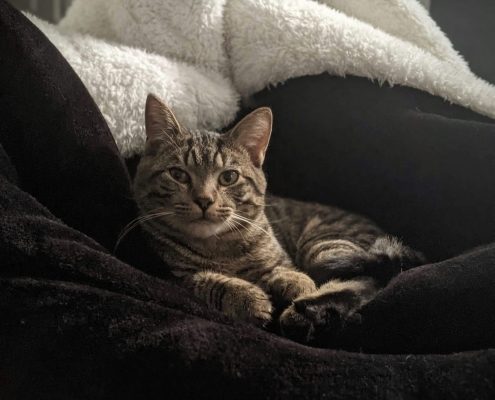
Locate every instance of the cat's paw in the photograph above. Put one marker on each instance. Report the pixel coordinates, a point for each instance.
(329, 309)
(296, 325)
(301, 322)
(292, 284)
(250, 304)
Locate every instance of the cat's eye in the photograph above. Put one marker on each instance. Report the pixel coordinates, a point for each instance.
(179, 175)
(228, 177)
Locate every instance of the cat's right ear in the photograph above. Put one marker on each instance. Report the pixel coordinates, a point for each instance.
(253, 133)
(160, 121)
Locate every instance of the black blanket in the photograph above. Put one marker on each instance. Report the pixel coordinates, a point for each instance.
(78, 323)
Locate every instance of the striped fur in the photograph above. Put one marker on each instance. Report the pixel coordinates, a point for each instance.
(203, 203)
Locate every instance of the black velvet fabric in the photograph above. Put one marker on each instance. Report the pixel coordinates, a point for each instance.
(420, 167)
(63, 150)
(78, 323)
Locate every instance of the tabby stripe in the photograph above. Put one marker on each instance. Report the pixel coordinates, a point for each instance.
(339, 247)
(167, 193)
(212, 290)
(257, 275)
(159, 195)
(196, 157)
(340, 218)
(219, 154)
(154, 174)
(253, 184)
(325, 235)
(248, 202)
(214, 160)
(242, 271)
(265, 276)
(189, 147)
(353, 230)
(221, 295)
(179, 247)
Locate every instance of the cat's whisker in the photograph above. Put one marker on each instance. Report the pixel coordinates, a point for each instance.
(135, 222)
(250, 222)
(141, 217)
(232, 225)
(236, 226)
(239, 223)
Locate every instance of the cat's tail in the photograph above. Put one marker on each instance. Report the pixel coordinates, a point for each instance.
(386, 258)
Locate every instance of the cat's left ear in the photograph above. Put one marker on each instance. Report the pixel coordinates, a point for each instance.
(160, 121)
(253, 133)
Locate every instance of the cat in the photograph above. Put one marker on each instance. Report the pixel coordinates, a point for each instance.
(203, 205)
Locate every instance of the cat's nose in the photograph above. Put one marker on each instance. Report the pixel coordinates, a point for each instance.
(203, 202)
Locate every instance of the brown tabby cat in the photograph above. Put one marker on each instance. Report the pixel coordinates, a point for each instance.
(202, 196)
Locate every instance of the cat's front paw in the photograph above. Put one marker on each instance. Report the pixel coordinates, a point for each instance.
(301, 323)
(296, 325)
(324, 310)
(290, 285)
(249, 304)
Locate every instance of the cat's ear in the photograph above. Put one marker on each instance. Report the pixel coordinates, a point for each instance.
(160, 121)
(253, 133)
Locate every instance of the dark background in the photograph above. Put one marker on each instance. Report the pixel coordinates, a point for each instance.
(469, 25)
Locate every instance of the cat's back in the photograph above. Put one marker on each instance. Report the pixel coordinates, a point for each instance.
(290, 219)
(286, 211)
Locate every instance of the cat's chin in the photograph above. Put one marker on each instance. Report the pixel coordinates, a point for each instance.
(206, 229)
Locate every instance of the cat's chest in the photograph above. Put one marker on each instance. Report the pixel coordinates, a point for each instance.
(228, 258)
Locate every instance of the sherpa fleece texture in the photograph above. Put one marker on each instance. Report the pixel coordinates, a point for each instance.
(209, 52)
(120, 77)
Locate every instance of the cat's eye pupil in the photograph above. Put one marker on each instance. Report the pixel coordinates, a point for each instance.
(179, 175)
(228, 177)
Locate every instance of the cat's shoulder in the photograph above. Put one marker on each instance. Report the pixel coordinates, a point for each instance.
(286, 202)
(276, 205)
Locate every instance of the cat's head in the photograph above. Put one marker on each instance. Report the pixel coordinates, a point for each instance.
(202, 183)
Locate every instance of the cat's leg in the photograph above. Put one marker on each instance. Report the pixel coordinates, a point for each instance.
(337, 244)
(233, 296)
(382, 259)
(351, 262)
(284, 283)
(316, 255)
(331, 306)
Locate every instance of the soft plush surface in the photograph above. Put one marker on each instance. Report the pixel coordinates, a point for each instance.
(120, 77)
(208, 53)
(78, 323)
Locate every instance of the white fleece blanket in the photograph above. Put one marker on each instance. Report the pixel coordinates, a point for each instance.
(201, 56)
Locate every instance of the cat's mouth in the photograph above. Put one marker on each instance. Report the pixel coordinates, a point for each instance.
(205, 227)
(206, 219)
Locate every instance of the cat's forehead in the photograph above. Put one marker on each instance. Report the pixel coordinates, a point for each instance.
(207, 149)
(207, 140)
